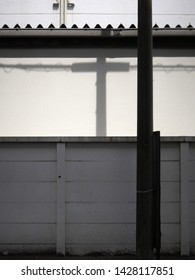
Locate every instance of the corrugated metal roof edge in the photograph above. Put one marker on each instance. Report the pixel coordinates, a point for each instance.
(93, 32)
(97, 26)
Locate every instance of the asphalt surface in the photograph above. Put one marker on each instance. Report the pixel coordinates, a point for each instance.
(56, 257)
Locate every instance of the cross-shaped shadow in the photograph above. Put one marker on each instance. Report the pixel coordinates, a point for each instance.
(101, 67)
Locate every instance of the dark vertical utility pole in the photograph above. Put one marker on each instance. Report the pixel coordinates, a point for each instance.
(144, 230)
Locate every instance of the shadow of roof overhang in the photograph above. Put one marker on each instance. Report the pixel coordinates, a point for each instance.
(55, 38)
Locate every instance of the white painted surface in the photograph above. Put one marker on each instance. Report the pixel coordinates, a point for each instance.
(117, 192)
(21, 234)
(25, 212)
(92, 97)
(28, 195)
(28, 171)
(30, 192)
(174, 95)
(25, 12)
(170, 188)
(94, 11)
(185, 205)
(116, 12)
(27, 152)
(96, 215)
(192, 196)
(60, 200)
(92, 206)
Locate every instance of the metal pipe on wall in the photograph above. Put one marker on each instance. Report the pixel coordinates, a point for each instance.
(63, 11)
(144, 224)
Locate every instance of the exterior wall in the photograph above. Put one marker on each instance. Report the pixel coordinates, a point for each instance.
(25, 12)
(78, 195)
(100, 196)
(116, 12)
(92, 93)
(93, 12)
(192, 195)
(28, 197)
(170, 197)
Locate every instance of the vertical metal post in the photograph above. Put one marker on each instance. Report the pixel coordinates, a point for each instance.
(157, 192)
(63, 11)
(144, 230)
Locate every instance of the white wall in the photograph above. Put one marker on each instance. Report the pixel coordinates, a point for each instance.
(115, 12)
(92, 96)
(28, 197)
(79, 195)
(192, 194)
(92, 12)
(174, 95)
(25, 12)
(67, 96)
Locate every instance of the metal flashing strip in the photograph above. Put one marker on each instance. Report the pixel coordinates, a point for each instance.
(88, 32)
(85, 139)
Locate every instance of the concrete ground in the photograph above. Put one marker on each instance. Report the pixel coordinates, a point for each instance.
(98, 257)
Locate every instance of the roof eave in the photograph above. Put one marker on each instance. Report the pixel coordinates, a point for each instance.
(71, 32)
(92, 38)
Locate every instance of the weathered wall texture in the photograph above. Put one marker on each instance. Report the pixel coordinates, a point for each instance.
(80, 195)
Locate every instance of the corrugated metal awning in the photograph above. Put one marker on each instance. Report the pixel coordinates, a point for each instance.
(51, 37)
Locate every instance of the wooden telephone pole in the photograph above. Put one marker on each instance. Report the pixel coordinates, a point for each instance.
(144, 231)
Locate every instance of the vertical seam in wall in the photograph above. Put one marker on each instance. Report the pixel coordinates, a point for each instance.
(60, 204)
(184, 181)
(65, 11)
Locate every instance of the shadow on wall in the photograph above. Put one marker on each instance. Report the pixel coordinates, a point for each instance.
(100, 67)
